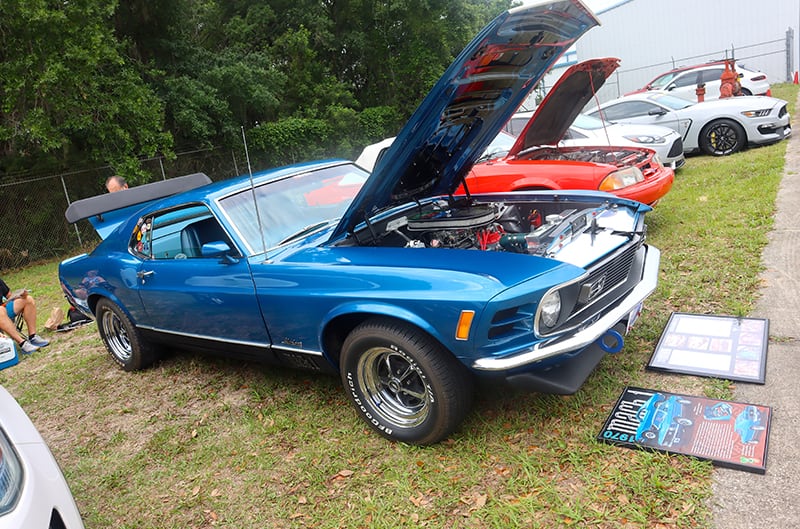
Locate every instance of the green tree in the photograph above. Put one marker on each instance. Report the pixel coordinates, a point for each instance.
(94, 80)
(67, 93)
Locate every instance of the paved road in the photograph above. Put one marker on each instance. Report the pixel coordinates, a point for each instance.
(743, 500)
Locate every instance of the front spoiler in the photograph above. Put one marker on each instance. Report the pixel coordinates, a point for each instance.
(567, 377)
(586, 336)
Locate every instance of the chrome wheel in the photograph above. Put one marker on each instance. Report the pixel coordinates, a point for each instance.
(402, 383)
(122, 338)
(116, 337)
(395, 386)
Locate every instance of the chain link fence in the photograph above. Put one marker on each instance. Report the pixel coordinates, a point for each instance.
(32, 223)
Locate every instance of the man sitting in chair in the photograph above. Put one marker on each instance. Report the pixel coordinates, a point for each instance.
(8, 328)
(20, 303)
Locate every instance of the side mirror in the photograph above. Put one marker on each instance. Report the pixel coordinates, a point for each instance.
(657, 112)
(218, 249)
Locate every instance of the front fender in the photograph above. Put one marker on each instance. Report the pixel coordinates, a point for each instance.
(359, 311)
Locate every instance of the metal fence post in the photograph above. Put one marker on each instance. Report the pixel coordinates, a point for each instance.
(789, 53)
(66, 194)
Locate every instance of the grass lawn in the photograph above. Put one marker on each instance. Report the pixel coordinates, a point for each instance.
(200, 442)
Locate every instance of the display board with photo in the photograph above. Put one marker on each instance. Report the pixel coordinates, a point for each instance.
(714, 346)
(730, 434)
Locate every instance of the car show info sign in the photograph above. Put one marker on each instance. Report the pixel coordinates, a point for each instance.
(713, 346)
(730, 434)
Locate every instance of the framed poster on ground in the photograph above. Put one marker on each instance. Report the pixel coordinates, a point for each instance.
(713, 346)
(730, 434)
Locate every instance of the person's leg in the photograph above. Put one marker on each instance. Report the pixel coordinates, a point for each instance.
(8, 327)
(27, 307)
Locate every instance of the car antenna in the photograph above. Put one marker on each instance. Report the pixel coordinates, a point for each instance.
(253, 190)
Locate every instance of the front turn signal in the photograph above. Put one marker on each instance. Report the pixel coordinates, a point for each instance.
(464, 324)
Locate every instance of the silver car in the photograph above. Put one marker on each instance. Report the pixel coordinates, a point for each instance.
(717, 128)
(589, 131)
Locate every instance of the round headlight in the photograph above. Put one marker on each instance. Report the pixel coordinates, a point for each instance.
(550, 308)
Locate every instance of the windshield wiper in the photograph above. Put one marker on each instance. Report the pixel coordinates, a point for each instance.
(304, 231)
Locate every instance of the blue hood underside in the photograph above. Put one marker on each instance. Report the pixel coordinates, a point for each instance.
(469, 105)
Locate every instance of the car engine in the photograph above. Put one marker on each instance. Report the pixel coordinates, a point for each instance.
(495, 226)
(617, 156)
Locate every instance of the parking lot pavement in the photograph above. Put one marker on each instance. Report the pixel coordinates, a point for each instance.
(741, 499)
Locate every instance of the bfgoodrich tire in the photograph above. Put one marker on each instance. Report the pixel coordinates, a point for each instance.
(121, 337)
(722, 137)
(403, 383)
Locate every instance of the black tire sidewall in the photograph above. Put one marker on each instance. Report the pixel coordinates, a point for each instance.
(705, 144)
(368, 412)
(441, 419)
(140, 355)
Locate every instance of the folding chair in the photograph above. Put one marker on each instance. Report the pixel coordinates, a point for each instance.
(19, 321)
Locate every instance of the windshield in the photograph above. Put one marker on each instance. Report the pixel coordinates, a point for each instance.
(673, 102)
(659, 83)
(293, 206)
(498, 148)
(588, 122)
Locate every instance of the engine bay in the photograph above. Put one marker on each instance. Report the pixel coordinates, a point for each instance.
(544, 228)
(617, 156)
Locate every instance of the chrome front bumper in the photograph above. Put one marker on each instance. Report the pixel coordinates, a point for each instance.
(590, 334)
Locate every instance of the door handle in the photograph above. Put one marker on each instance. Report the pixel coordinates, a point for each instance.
(144, 274)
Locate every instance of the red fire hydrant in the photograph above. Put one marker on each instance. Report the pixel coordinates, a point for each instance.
(730, 81)
(700, 92)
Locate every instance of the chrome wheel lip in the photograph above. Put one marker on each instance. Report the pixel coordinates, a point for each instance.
(395, 387)
(116, 336)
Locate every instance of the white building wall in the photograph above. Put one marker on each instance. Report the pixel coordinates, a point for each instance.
(653, 36)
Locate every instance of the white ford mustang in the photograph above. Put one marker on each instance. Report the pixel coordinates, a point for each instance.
(716, 127)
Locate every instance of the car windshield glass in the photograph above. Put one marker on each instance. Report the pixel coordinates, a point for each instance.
(289, 206)
(499, 147)
(660, 82)
(673, 102)
(587, 122)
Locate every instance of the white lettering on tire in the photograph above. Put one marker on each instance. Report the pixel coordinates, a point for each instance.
(363, 408)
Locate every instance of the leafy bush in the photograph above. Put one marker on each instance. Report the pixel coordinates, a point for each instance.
(291, 140)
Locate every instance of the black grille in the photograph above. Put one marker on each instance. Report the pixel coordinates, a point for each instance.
(676, 149)
(605, 284)
(609, 275)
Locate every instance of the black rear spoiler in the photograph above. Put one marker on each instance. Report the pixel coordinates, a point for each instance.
(89, 207)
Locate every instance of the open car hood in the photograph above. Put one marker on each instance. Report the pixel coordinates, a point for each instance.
(469, 105)
(563, 103)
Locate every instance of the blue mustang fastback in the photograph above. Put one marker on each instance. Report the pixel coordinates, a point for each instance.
(409, 292)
